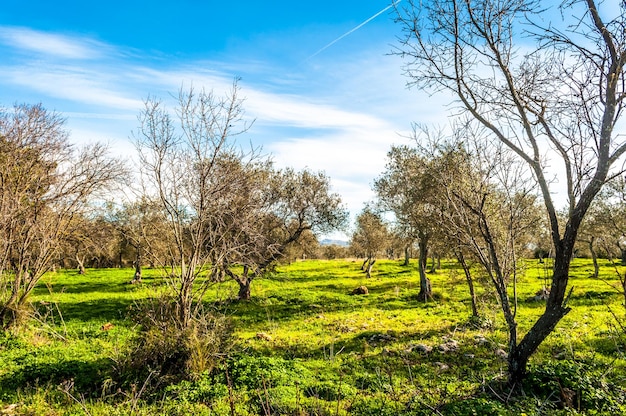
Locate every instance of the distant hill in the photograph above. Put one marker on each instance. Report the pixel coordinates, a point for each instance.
(330, 242)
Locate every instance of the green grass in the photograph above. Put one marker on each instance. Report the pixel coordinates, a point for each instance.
(305, 345)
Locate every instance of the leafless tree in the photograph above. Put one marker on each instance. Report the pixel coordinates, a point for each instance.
(191, 164)
(554, 102)
(45, 186)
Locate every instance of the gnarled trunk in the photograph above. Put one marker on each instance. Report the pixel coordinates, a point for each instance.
(426, 292)
(81, 264)
(370, 265)
(244, 288)
(407, 253)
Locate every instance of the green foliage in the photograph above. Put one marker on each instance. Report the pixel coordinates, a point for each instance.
(478, 406)
(583, 386)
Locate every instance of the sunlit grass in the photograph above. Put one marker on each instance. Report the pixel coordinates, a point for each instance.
(305, 314)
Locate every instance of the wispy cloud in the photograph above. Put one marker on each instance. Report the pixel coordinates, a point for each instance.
(342, 124)
(50, 44)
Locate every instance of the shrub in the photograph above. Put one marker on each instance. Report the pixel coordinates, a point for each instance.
(575, 385)
(167, 351)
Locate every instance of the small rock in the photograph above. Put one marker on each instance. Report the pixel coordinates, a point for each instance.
(107, 327)
(382, 338)
(361, 290)
(263, 336)
(480, 340)
(441, 367)
(500, 353)
(448, 346)
(421, 348)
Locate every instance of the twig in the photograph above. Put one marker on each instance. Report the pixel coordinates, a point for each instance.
(66, 390)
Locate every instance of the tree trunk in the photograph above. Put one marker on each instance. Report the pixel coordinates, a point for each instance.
(364, 263)
(555, 311)
(425, 293)
(407, 254)
(81, 265)
(594, 256)
(470, 282)
(137, 264)
(623, 256)
(369, 268)
(433, 266)
(244, 288)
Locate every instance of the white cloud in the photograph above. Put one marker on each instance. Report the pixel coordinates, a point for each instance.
(75, 84)
(341, 119)
(50, 44)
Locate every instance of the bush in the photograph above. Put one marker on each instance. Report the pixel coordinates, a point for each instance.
(576, 385)
(167, 351)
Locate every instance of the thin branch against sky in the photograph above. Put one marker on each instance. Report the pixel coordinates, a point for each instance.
(354, 29)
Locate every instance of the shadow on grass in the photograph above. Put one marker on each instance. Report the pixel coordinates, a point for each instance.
(86, 376)
(99, 309)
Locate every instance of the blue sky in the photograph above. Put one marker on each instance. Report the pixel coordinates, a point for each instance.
(319, 83)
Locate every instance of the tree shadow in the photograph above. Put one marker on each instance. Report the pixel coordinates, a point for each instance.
(85, 376)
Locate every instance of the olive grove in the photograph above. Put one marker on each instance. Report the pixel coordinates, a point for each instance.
(549, 84)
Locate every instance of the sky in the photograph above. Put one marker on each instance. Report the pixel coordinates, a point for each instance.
(318, 77)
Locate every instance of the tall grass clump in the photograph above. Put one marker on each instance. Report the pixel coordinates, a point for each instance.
(166, 351)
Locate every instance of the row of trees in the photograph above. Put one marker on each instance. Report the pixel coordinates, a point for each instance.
(544, 97)
(201, 207)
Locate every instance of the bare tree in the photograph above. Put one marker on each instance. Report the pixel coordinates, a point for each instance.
(556, 101)
(45, 186)
(142, 227)
(192, 166)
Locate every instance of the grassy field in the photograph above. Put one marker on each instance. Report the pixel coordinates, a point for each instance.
(305, 346)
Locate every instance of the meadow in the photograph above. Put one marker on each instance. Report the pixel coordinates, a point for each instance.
(304, 345)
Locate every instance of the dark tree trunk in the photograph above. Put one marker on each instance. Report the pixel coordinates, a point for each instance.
(623, 256)
(244, 288)
(366, 261)
(137, 264)
(425, 293)
(433, 266)
(407, 255)
(244, 281)
(556, 309)
(470, 282)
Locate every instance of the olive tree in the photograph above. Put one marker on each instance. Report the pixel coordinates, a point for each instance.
(46, 187)
(280, 214)
(554, 102)
(407, 190)
(228, 211)
(370, 238)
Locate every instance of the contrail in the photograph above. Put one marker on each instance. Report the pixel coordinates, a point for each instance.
(354, 29)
